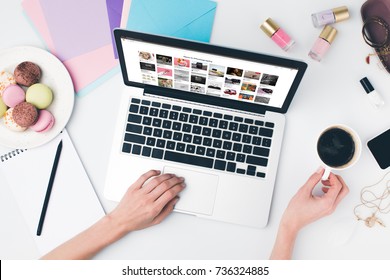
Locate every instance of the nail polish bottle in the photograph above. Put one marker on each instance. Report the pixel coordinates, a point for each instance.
(277, 34)
(330, 16)
(323, 42)
(374, 97)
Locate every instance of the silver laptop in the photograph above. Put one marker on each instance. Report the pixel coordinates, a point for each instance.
(211, 114)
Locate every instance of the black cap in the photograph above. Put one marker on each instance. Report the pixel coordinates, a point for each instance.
(367, 85)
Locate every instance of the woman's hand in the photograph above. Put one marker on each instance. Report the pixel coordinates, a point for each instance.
(305, 208)
(148, 201)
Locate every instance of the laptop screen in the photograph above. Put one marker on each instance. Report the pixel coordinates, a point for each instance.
(214, 75)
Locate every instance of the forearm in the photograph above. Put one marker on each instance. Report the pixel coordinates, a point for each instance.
(89, 242)
(284, 243)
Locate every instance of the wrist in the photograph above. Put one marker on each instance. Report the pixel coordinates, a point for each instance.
(289, 229)
(285, 240)
(89, 242)
(115, 229)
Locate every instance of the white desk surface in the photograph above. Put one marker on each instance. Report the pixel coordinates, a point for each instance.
(329, 93)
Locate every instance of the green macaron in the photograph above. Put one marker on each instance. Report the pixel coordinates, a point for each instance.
(39, 95)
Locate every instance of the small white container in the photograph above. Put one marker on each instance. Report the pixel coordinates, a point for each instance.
(375, 98)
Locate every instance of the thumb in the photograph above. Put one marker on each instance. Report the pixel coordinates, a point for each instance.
(313, 180)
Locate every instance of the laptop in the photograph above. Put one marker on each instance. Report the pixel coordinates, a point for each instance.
(211, 114)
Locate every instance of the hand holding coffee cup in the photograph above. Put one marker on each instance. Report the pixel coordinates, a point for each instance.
(338, 147)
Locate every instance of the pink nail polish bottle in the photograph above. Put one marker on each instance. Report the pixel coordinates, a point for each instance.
(277, 34)
(323, 42)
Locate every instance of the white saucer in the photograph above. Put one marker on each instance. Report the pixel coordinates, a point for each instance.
(55, 76)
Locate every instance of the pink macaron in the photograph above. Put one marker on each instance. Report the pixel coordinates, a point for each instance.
(13, 95)
(44, 123)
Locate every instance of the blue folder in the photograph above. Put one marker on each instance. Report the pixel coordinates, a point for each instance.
(186, 19)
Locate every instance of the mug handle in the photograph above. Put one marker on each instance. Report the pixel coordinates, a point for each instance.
(326, 174)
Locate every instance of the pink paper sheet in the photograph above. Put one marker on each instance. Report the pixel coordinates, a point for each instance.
(84, 69)
(87, 68)
(34, 11)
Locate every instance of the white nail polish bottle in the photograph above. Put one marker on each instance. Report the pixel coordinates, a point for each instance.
(374, 97)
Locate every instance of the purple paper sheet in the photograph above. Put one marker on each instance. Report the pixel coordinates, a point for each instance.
(77, 26)
(114, 10)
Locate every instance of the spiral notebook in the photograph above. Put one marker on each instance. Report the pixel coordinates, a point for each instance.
(73, 204)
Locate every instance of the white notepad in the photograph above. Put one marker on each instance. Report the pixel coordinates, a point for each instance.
(73, 204)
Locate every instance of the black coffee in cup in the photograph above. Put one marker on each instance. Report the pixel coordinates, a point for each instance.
(336, 147)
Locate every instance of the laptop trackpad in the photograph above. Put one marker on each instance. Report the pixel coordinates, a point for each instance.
(199, 195)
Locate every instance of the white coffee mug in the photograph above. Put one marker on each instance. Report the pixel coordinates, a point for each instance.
(356, 154)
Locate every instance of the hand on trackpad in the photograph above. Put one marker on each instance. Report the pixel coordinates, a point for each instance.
(199, 195)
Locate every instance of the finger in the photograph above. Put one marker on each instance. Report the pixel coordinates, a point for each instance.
(169, 195)
(326, 186)
(167, 209)
(326, 183)
(342, 181)
(150, 186)
(313, 181)
(144, 177)
(325, 189)
(335, 187)
(165, 186)
(344, 191)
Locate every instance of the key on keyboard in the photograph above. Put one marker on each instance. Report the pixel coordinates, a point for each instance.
(200, 138)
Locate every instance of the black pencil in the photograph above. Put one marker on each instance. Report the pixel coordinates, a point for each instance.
(49, 188)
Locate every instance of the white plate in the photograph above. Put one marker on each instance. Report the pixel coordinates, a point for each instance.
(55, 76)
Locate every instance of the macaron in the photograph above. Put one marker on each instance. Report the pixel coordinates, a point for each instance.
(39, 95)
(6, 79)
(44, 123)
(25, 114)
(10, 122)
(3, 108)
(27, 73)
(13, 95)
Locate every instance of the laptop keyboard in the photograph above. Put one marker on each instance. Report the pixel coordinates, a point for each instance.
(196, 137)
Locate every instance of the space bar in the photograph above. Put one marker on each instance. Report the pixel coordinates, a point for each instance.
(188, 159)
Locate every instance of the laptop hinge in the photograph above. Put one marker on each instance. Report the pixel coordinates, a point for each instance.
(261, 113)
